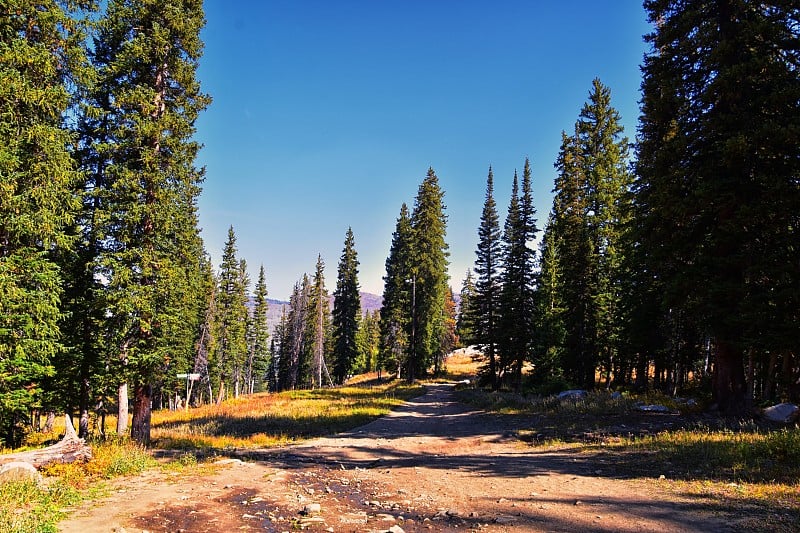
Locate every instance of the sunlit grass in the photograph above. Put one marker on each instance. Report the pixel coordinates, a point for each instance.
(268, 420)
(732, 456)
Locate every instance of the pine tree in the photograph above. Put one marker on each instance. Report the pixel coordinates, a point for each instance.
(41, 56)
(141, 159)
(605, 156)
(573, 239)
(717, 164)
(258, 344)
(588, 231)
(231, 320)
(517, 296)
(346, 312)
(465, 323)
(429, 276)
(550, 310)
(318, 330)
(484, 306)
(395, 314)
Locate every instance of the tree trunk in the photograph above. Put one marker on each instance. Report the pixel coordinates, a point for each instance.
(140, 424)
(729, 387)
(769, 376)
(122, 410)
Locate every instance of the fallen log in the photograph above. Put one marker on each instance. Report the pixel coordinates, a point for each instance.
(69, 449)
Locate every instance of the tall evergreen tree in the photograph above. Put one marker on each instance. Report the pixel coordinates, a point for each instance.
(429, 277)
(550, 329)
(41, 55)
(517, 296)
(346, 311)
(395, 314)
(231, 319)
(318, 329)
(140, 129)
(589, 216)
(258, 348)
(717, 163)
(484, 307)
(465, 323)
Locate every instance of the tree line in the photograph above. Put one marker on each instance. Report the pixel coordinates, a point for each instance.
(670, 262)
(677, 267)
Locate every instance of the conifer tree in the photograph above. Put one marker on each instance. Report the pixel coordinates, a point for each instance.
(429, 276)
(550, 329)
(449, 340)
(318, 330)
(41, 55)
(346, 312)
(231, 319)
(717, 196)
(258, 349)
(588, 225)
(395, 314)
(484, 306)
(140, 130)
(368, 342)
(517, 295)
(465, 323)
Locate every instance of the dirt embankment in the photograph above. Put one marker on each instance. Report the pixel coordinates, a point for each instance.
(432, 465)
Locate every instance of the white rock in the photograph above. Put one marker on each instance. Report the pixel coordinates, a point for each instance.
(312, 508)
(19, 471)
(783, 412)
(574, 394)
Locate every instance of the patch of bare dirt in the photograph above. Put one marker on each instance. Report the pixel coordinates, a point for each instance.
(432, 465)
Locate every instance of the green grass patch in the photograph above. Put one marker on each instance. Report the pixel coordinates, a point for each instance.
(26, 506)
(750, 456)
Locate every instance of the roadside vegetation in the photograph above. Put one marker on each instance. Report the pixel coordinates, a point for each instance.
(741, 463)
(256, 421)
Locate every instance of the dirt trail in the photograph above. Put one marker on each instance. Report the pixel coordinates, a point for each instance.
(432, 465)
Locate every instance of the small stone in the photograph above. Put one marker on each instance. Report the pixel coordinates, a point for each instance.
(312, 508)
(396, 529)
(578, 502)
(662, 476)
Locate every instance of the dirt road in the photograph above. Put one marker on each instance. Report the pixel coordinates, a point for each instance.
(432, 465)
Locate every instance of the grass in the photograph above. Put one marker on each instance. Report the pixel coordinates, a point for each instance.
(261, 420)
(735, 463)
(268, 420)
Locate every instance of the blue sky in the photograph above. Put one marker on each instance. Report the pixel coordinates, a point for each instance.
(327, 114)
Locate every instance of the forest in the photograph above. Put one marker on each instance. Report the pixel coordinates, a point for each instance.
(669, 262)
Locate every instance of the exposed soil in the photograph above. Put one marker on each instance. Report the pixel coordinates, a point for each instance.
(434, 464)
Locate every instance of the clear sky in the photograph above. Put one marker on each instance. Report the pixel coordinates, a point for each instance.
(328, 113)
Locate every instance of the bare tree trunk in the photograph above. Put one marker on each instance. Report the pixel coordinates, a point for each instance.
(122, 410)
(729, 385)
(49, 421)
(142, 403)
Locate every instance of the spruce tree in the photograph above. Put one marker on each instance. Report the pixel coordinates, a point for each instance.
(346, 312)
(517, 296)
(41, 57)
(465, 323)
(484, 307)
(142, 160)
(717, 164)
(259, 346)
(395, 314)
(429, 276)
(318, 330)
(231, 320)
